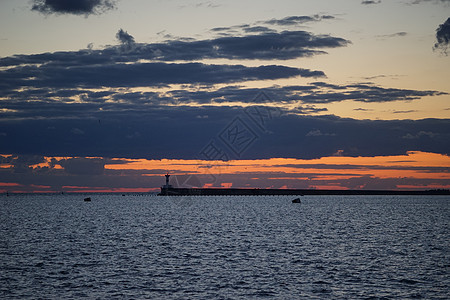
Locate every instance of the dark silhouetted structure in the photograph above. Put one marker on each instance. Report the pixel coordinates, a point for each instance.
(168, 190)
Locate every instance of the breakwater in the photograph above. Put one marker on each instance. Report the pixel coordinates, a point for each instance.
(171, 191)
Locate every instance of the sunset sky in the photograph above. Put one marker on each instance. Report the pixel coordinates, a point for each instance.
(103, 95)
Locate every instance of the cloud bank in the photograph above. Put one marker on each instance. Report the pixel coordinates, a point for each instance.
(264, 46)
(144, 131)
(160, 100)
(140, 75)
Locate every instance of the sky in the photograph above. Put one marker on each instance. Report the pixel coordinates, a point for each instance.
(105, 95)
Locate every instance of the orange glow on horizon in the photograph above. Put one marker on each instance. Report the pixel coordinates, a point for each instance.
(328, 187)
(429, 186)
(373, 166)
(2, 184)
(413, 170)
(86, 189)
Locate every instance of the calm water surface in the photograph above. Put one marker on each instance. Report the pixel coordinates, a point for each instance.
(148, 247)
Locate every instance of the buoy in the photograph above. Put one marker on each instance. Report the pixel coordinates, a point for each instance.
(296, 200)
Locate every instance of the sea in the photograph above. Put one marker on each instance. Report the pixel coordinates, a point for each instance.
(143, 246)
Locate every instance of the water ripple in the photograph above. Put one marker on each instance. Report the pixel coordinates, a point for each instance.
(371, 247)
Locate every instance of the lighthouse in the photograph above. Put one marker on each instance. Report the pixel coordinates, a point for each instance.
(167, 181)
(165, 188)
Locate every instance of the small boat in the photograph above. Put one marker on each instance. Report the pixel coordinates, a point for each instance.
(87, 199)
(297, 200)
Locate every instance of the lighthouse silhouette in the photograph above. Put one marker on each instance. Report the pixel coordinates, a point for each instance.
(167, 181)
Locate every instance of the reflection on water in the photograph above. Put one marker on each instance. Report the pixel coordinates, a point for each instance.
(60, 247)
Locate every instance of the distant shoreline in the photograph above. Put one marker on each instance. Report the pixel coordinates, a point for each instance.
(297, 192)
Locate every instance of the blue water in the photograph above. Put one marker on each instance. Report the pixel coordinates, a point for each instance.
(148, 247)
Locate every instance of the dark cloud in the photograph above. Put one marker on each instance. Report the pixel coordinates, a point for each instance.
(443, 37)
(365, 93)
(139, 75)
(404, 111)
(55, 103)
(393, 35)
(420, 135)
(23, 163)
(315, 93)
(269, 25)
(83, 166)
(307, 110)
(251, 29)
(297, 20)
(267, 46)
(362, 109)
(351, 137)
(392, 76)
(125, 39)
(78, 7)
(367, 2)
(112, 67)
(177, 132)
